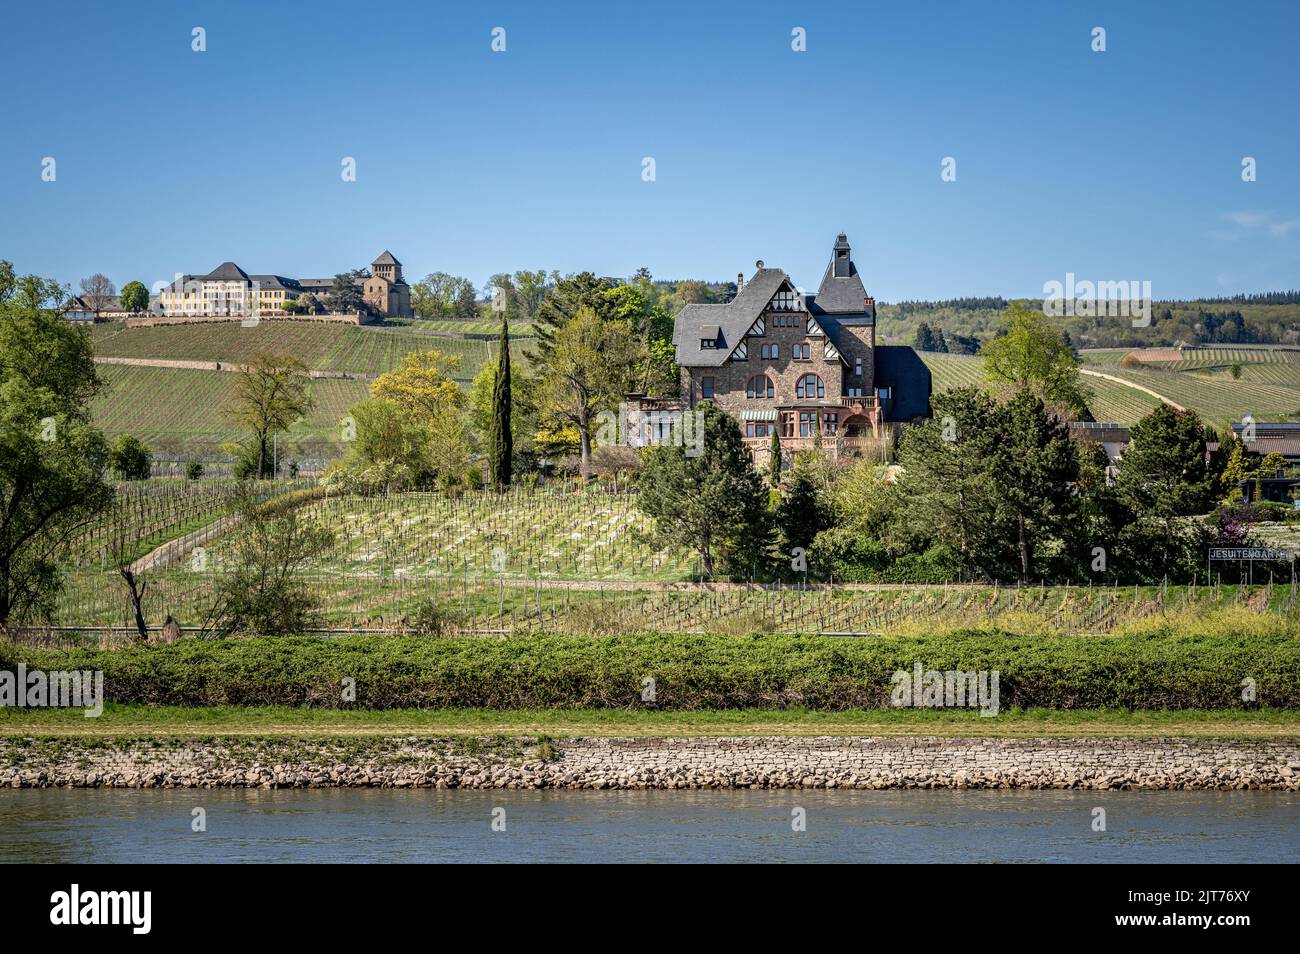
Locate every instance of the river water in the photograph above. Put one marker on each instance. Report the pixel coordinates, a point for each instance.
(365, 825)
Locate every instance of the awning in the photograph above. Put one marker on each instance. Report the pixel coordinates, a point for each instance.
(758, 415)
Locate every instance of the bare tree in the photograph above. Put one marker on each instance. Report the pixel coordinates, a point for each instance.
(97, 290)
(135, 588)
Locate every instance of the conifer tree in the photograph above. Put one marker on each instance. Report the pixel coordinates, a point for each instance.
(500, 443)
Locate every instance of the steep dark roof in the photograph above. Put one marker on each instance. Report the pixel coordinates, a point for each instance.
(81, 303)
(841, 294)
(276, 281)
(386, 258)
(322, 284)
(226, 272)
(900, 368)
(733, 319)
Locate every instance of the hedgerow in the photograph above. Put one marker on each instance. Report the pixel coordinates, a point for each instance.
(1141, 670)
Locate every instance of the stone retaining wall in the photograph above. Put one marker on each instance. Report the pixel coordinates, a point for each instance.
(604, 763)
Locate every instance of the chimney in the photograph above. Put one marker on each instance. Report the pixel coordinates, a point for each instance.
(740, 281)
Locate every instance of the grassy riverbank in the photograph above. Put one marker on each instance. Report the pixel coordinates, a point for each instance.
(131, 721)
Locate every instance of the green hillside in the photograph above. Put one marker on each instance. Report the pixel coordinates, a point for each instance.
(180, 412)
(320, 346)
(1111, 401)
(1266, 385)
(1221, 322)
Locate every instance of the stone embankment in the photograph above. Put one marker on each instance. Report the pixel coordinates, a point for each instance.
(661, 763)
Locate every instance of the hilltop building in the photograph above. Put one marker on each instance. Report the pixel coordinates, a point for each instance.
(229, 291)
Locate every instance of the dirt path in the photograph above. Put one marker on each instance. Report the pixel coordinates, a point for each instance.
(173, 551)
(228, 366)
(1137, 387)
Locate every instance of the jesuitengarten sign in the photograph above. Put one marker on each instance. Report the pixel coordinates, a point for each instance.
(1251, 553)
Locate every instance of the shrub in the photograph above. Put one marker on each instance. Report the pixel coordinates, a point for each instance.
(130, 458)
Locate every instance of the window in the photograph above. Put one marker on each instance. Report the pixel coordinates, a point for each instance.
(771, 352)
(787, 424)
(857, 367)
(785, 321)
(806, 419)
(758, 429)
(802, 352)
(706, 387)
(708, 342)
(809, 387)
(760, 387)
(830, 422)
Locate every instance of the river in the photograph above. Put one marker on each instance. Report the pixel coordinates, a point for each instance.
(391, 825)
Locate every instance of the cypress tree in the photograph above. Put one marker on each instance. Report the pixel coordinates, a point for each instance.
(500, 444)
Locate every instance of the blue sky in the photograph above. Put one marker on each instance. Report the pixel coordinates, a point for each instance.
(1117, 165)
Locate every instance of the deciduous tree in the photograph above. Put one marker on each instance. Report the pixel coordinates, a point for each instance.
(270, 394)
(1032, 355)
(97, 289)
(130, 458)
(135, 297)
(586, 370)
(52, 460)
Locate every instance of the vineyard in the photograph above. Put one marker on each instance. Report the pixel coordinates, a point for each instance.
(321, 347)
(1111, 401)
(523, 534)
(179, 411)
(467, 606)
(536, 560)
(146, 514)
(460, 326)
(1267, 386)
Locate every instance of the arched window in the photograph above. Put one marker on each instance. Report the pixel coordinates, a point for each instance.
(760, 387)
(809, 386)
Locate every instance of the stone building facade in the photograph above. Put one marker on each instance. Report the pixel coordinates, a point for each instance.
(807, 366)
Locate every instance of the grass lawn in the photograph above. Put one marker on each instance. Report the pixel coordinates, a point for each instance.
(171, 721)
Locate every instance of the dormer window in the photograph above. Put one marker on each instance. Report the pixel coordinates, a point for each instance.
(708, 342)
